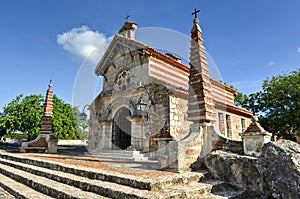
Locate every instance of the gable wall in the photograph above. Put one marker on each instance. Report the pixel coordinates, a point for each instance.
(136, 64)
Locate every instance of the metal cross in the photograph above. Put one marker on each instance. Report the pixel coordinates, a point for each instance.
(253, 107)
(50, 81)
(195, 12)
(127, 17)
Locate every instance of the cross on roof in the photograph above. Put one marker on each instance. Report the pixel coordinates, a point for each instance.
(253, 107)
(127, 17)
(195, 12)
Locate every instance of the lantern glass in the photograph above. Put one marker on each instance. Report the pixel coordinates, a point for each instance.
(141, 106)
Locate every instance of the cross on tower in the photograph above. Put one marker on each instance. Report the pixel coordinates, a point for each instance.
(127, 17)
(253, 107)
(195, 12)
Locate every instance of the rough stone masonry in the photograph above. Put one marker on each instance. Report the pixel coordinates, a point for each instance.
(274, 174)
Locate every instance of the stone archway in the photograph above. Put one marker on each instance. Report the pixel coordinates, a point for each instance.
(121, 129)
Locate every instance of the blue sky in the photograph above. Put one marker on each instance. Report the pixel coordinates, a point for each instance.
(248, 40)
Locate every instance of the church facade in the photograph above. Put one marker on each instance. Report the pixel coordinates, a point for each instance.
(148, 95)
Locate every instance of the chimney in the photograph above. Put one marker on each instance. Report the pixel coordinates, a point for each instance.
(128, 30)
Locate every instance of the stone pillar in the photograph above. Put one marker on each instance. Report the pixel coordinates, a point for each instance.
(106, 133)
(52, 145)
(254, 138)
(222, 122)
(163, 153)
(137, 133)
(40, 144)
(201, 109)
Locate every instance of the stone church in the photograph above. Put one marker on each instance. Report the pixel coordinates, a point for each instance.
(149, 95)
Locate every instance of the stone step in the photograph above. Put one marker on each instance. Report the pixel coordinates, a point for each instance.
(217, 185)
(19, 190)
(34, 172)
(103, 188)
(44, 185)
(107, 176)
(193, 190)
(5, 194)
(119, 154)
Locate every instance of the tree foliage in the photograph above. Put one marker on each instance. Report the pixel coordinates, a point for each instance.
(278, 104)
(24, 113)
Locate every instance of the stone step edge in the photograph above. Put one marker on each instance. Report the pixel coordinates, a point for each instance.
(127, 180)
(113, 157)
(83, 172)
(174, 192)
(82, 183)
(17, 189)
(50, 190)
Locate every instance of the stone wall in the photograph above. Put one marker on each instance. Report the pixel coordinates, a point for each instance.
(275, 174)
(230, 125)
(189, 153)
(134, 63)
(179, 125)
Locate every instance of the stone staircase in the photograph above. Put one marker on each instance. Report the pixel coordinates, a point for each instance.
(25, 177)
(119, 154)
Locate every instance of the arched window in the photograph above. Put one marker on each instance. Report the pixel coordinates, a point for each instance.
(122, 81)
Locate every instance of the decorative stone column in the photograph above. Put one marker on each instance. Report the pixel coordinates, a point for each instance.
(254, 138)
(201, 110)
(45, 142)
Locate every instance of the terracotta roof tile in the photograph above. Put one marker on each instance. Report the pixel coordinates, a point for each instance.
(254, 127)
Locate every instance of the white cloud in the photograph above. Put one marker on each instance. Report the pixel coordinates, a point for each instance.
(298, 49)
(83, 43)
(271, 63)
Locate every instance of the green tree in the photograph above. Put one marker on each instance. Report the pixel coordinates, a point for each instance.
(279, 103)
(25, 113)
(63, 124)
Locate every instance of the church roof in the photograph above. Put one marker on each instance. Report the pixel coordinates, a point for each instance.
(113, 49)
(133, 45)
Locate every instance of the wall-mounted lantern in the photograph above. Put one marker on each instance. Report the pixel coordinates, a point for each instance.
(141, 106)
(83, 115)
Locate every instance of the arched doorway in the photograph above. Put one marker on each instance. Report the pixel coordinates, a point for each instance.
(121, 131)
